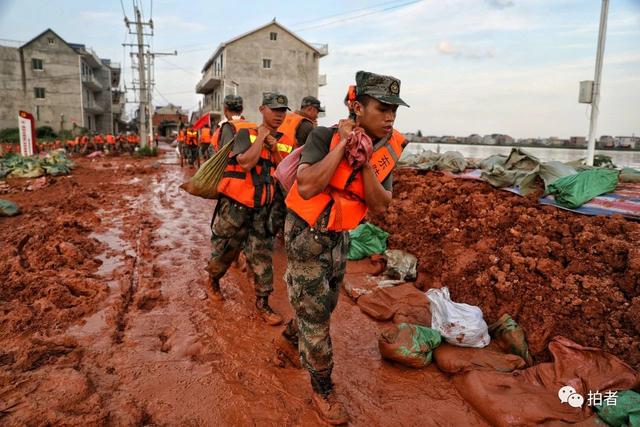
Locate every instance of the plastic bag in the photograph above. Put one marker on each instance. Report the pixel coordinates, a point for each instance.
(575, 190)
(366, 240)
(401, 265)
(459, 324)
(510, 337)
(410, 345)
(625, 412)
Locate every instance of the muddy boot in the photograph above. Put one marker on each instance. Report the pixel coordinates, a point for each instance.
(330, 409)
(266, 313)
(216, 293)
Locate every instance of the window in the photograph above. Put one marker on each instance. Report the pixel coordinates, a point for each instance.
(266, 63)
(51, 41)
(273, 36)
(39, 92)
(37, 64)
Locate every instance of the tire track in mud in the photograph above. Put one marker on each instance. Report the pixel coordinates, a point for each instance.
(127, 295)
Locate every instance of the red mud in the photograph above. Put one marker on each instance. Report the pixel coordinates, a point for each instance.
(554, 272)
(105, 319)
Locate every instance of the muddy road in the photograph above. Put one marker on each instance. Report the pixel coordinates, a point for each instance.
(106, 320)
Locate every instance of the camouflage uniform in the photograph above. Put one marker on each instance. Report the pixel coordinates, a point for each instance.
(236, 227)
(316, 263)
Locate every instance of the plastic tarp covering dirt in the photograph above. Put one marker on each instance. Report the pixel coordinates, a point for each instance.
(8, 208)
(452, 161)
(454, 360)
(402, 303)
(500, 177)
(574, 190)
(549, 172)
(519, 159)
(401, 265)
(491, 161)
(410, 345)
(625, 412)
(530, 396)
(366, 240)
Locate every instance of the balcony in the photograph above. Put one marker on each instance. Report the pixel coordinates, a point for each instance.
(94, 108)
(322, 48)
(92, 83)
(210, 80)
(322, 80)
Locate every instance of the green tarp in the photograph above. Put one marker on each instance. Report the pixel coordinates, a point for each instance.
(408, 344)
(575, 190)
(366, 240)
(452, 161)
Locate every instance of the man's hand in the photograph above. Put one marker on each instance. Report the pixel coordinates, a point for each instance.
(263, 132)
(345, 126)
(271, 142)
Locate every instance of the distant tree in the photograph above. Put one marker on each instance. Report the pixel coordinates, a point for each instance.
(419, 134)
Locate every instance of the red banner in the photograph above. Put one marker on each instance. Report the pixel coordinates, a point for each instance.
(204, 120)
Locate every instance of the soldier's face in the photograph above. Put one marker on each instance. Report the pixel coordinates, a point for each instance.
(376, 118)
(311, 112)
(273, 117)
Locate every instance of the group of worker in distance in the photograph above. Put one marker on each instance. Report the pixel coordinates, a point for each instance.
(327, 199)
(113, 144)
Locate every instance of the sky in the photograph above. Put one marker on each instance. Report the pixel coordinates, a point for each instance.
(466, 66)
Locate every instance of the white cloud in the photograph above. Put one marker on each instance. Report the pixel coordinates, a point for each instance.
(172, 24)
(464, 51)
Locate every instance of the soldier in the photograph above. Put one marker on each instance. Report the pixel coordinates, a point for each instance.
(246, 192)
(299, 125)
(233, 121)
(191, 146)
(328, 199)
(205, 142)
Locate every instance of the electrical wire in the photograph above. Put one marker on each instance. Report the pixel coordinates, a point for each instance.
(350, 18)
(346, 12)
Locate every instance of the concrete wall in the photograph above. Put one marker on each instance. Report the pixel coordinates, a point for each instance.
(60, 78)
(11, 93)
(294, 68)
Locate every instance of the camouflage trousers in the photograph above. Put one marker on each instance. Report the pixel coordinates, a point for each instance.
(236, 228)
(206, 151)
(278, 211)
(316, 263)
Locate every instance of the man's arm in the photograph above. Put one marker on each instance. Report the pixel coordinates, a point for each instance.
(312, 179)
(249, 158)
(376, 196)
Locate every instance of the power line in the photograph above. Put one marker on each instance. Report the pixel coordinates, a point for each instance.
(123, 12)
(350, 18)
(180, 68)
(346, 12)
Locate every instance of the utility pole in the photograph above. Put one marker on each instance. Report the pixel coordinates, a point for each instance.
(144, 98)
(593, 125)
(150, 82)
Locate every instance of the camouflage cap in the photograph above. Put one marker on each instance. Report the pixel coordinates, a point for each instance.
(311, 101)
(233, 102)
(383, 88)
(275, 100)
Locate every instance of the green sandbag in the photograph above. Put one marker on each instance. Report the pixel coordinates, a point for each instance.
(8, 208)
(408, 344)
(548, 172)
(630, 175)
(575, 190)
(510, 337)
(366, 240)
(625, 412)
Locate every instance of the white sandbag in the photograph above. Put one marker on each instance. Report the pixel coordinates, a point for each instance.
(459, 324)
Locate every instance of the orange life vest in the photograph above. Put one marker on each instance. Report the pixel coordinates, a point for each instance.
(290, 125)
(97, 139)
(84, 140)
(255, 188)
(205, 136)
(236, 125)
(346, 189)
(181, 136)
(71, 142)
(192, 137)
(111, 139)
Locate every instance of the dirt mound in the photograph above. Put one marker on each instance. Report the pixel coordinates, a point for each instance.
(554, 272)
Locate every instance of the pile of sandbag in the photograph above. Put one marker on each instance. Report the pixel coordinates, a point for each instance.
(452, 161)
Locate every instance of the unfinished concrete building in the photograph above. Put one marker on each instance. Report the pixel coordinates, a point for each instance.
(64, 85)
(269, 58)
